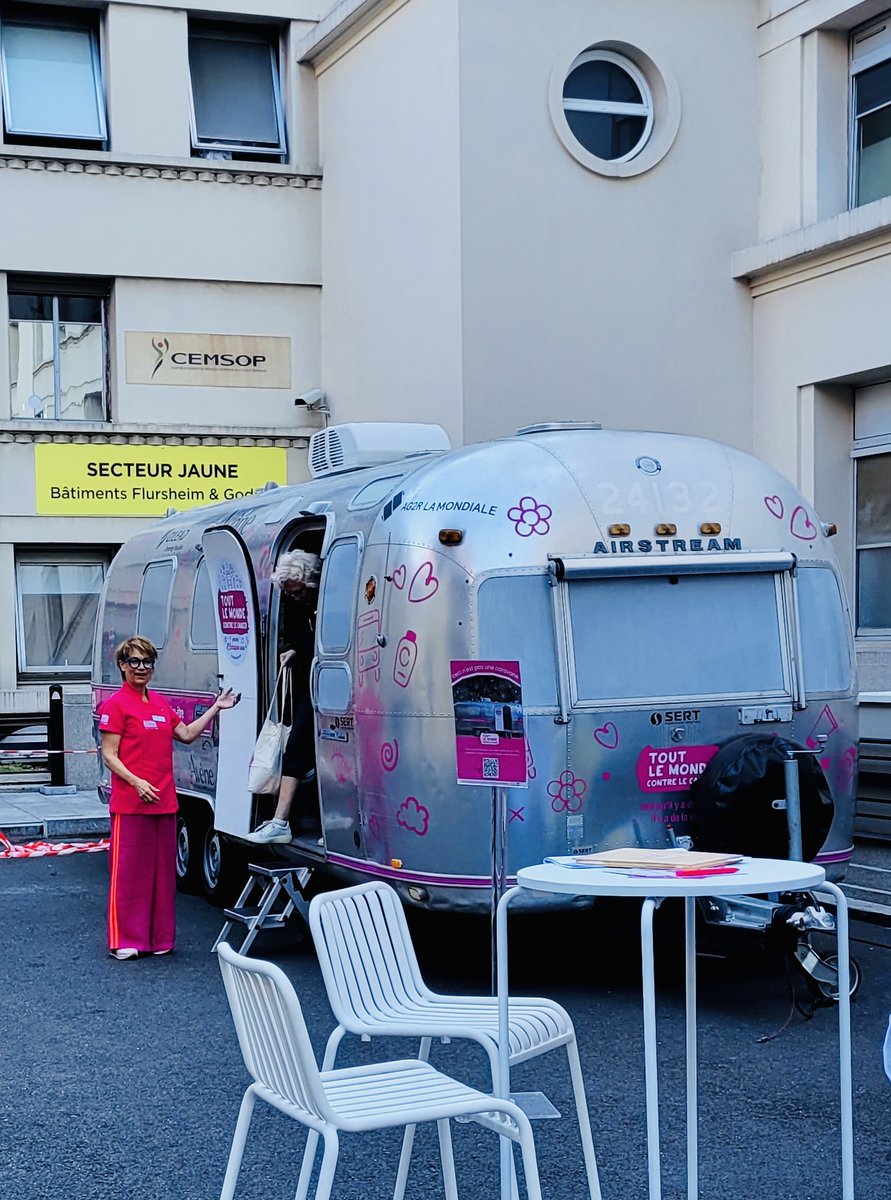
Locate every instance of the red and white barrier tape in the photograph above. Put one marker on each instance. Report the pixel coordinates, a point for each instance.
(43, 849)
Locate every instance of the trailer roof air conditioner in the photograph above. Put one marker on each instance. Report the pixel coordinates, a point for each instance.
(368, 443)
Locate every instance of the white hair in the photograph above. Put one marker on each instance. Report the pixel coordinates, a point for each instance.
(297, 566)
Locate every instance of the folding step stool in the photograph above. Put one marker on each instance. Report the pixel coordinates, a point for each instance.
(275, 884)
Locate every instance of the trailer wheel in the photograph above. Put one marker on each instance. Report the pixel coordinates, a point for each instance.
(191, 828)
(830, 991)
(733, 799)
(224, 868)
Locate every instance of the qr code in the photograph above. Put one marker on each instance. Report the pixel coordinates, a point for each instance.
(490, 768)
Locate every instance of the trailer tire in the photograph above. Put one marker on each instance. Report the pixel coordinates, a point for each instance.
(733, 799)
(223, 868)
(191, 827)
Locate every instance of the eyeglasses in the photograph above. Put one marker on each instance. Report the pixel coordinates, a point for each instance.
(147, 664)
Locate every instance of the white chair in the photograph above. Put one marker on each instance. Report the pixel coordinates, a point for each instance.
(375, 988)
(279, 1057)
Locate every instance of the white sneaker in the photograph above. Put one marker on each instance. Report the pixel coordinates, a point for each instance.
(270, 832)
(127, 952)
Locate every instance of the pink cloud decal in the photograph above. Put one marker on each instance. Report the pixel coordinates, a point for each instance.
(413, 816)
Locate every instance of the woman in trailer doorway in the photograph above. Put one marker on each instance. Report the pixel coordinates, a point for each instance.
(297, 575)
(138, 728)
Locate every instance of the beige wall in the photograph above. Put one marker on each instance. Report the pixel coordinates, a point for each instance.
(476, 274)
(236, 308)
(391, 334)
(589, 297)
(148, 90)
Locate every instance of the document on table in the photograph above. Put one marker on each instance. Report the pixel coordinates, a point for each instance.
(652, 864)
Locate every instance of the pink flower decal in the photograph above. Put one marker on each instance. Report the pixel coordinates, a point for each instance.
(530, 517)
(567, 792)
(413, 816)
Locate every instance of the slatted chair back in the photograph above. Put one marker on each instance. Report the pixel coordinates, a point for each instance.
(365, 953)
(272, 1033)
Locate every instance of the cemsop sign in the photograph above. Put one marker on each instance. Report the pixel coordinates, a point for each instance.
(208, 360)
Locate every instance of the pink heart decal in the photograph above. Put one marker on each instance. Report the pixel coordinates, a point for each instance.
(775, 506)
(424, 584)
(802, 526)
(398, 577)
(607, 736)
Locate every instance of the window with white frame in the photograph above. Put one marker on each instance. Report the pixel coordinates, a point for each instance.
(235, 74)
(616, 111)
(153, 608)
(57, 349)
(51, 76)
(608, 105)
(871, 112)
(57, 598)
(872, 492)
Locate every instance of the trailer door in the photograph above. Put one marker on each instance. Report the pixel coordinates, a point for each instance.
(238, 649)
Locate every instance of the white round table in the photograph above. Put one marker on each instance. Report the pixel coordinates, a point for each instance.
(756, 876)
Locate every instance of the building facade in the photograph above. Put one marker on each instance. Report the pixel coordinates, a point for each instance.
(160, 272)
(469, 212)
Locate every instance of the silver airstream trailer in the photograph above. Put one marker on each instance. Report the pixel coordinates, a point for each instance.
(674, 604)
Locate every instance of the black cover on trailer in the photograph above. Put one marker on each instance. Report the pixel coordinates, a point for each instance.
(733, 798)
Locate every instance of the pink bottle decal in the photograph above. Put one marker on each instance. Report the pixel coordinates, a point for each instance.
(406, 657)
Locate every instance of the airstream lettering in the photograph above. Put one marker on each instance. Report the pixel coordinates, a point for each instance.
(674, 605)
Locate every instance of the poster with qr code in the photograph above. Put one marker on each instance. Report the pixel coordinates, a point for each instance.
(490, 730)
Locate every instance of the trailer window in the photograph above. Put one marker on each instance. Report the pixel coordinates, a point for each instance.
(203, 627)
(338, 595)
(516, 622)
(824, 633)
(154, 602)
(676, 636)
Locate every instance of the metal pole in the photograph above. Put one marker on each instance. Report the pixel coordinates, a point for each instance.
(499, 878)
(55, 736)
(793, 806)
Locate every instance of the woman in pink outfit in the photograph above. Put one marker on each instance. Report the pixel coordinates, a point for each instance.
(138, 728)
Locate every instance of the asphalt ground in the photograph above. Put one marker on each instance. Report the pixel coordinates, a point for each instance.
(123, 1079)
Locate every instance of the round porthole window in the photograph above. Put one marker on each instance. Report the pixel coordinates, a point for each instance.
(608, 105)
(615, 111)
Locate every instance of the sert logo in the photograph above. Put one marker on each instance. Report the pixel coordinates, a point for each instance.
(161, 346)
(656, 718)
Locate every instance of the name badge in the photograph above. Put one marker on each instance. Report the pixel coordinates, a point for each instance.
(149, 725)
(159, 718)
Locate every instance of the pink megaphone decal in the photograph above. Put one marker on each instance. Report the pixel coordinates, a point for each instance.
(824, 725)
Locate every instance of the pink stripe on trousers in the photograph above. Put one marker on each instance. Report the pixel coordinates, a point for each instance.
(142, 894)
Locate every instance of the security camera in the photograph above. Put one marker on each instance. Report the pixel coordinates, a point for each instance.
(311, 400)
